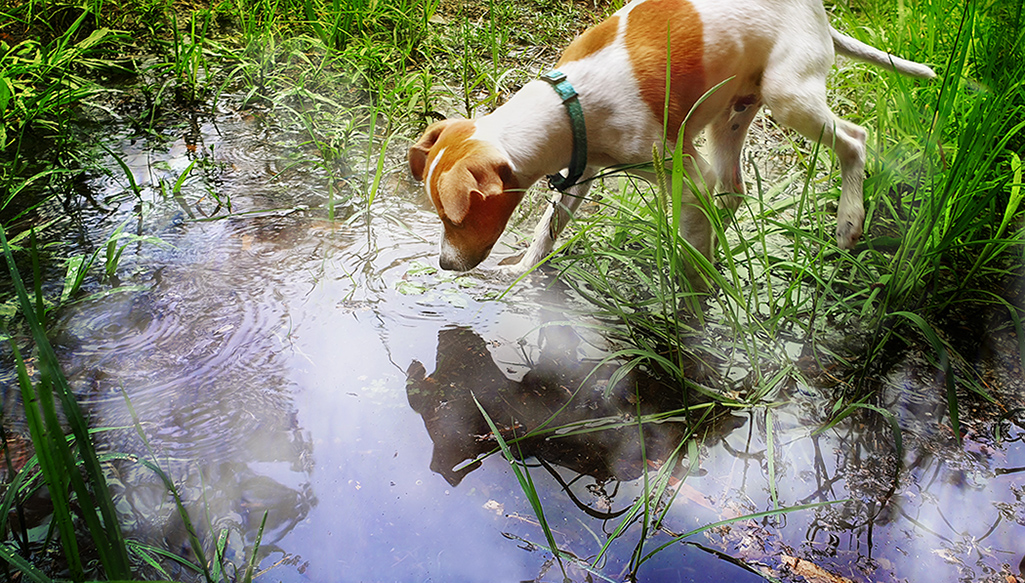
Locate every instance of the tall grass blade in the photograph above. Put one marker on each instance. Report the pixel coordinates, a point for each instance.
(526, 484)
(147, 553)
(254, 559)
(106, 534)
(195, 544)
(590, 569)
(124, 168)
(49, 465)
(754, 516)
(770, 455)
(891, 419)
(647, 497)
(10, 505)
(26, 568)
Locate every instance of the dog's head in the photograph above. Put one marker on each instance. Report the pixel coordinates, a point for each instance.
(472, 185)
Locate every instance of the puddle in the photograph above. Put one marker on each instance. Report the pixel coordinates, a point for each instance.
(321, 373)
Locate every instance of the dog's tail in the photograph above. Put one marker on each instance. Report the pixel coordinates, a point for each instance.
(861, 51)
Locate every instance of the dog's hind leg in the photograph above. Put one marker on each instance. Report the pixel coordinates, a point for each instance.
(798, 100)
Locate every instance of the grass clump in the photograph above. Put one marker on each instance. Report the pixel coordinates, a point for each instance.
(85, 519)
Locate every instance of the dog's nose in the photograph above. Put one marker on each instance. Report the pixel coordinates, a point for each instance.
(449, 264)
(452, 258)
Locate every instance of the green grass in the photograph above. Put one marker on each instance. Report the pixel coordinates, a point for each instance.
(339, 61)
(85, 518)
(57, 462)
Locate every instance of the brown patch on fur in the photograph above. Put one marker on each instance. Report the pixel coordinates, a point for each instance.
(450, 191)
(648, 26)
(488, 208)
(591, 41)
(477, 179)
(439, 134)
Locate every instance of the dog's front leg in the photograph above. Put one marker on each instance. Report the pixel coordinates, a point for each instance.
(556, 216)
(698, 205)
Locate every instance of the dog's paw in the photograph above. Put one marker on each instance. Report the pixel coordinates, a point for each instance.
(513, 259)
(848, 233)
(517, 266)
(513, 269)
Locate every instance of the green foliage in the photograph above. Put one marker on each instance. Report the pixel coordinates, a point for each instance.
(339, 61)
(58, 462)
(387, 34)
(945, 226)
(74, 474)
(526, 483)
(39, 82)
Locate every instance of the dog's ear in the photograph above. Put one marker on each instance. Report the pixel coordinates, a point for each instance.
(418, 153)
(472, 180)
(456, 191)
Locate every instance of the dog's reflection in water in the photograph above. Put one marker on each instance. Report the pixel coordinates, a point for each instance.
(559, 390)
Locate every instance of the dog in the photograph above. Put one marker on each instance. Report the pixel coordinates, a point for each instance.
(608, 97)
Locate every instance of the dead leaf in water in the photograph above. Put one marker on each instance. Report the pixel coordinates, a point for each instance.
(495, 506)
(692, 494)
(810, 571)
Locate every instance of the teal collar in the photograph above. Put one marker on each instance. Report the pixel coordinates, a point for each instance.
(578, 161)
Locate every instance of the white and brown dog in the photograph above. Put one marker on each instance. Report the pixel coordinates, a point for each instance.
(772, 52)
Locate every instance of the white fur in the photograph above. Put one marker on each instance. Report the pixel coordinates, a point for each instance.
(430, 172)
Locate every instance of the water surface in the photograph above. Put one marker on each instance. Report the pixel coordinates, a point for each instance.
(322, 373)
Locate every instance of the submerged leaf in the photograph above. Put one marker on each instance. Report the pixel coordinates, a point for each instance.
(409, 288)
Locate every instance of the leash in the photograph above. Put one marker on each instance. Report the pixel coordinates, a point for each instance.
(578, 160)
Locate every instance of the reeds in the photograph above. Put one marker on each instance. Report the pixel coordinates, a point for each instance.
(85, 518)
(60, 459)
